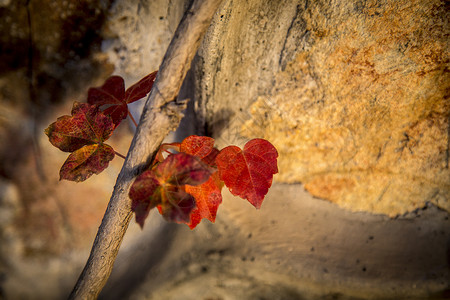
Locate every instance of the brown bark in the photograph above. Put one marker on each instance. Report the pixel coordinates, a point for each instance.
(161, 114)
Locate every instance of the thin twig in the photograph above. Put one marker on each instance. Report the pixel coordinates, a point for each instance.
(119, 155)
(132, 119)
(161, 114)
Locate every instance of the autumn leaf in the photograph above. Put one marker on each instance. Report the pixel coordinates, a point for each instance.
(248, 173)
(201, 146)
(164, 186)
(141, 88)
(113, 93)
(210, 159)
(181, 196)
(196, 145)
(83, 133)
(208, 197)
(88, 160)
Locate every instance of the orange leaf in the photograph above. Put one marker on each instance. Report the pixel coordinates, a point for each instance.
(196, 145)
(208, 197)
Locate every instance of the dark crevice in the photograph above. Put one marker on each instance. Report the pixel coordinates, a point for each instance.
(288, 34)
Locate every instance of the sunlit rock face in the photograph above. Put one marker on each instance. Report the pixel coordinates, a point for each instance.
(354, 95)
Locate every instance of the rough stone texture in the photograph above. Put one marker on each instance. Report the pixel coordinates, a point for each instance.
(137, 34)
(354, 95)
(257, 75)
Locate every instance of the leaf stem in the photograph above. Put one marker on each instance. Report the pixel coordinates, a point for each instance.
(132, 119)
(118, 154)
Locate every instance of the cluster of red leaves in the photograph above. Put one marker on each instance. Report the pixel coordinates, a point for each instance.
(113, 93)
(85, 132)
(186, 186)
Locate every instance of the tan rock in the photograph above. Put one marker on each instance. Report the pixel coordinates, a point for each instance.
(361, 115)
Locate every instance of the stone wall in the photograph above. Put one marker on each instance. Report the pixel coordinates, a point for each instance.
(354, 95)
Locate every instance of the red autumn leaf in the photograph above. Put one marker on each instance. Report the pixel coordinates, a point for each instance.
(113, 93)
(208, 197)
(210, 159)
(196, 145)
(83, 133)
(248, 173)
(164, 186)
(201, 146)
(141, 88)
(88, 160)
(87, 125)
(148, 192)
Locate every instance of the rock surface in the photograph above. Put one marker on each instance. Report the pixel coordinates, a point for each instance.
(354, 95)
(292, 248)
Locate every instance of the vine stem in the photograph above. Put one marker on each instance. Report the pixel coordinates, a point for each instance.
(161, 114)
(132, 119)
(119, 155)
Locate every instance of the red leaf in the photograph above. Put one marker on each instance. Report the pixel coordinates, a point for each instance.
(84, 132)
(141, 88)
(87, 125)
(117, 113)
(113, 93)
(208, 197)
(176, 205)
(145, 194)
(248, 173)
(196, 145)
(181, 168)
(86, 161)
(201, 146)
(210, 159)
(164, 186)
